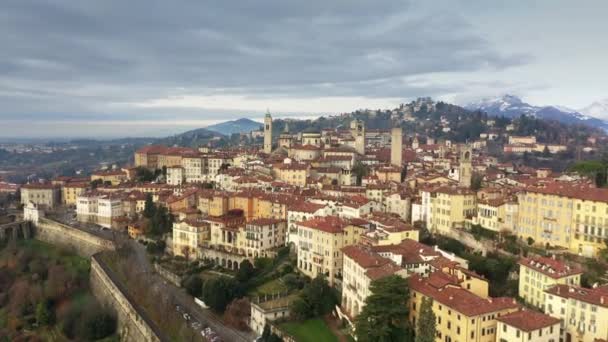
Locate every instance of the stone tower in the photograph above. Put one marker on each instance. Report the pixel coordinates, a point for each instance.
(357, 128)
(268, 133)
(396, 147)
(465, 166)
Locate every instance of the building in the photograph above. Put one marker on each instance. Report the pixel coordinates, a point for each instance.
(263, 236)
(583, 312)
(292, 173)
(540, 273)
(320, 243)
(113, 177)
(564, 215)
(527, 325)
(450, 207)
(465, 167)
(268, 133)
(357, 128)
(175, 175)
(396, 147)
(41, 194)
(188, 236)
(460, 314)
(361, 266)
(269, 311)
(71, 190)
(302, 211)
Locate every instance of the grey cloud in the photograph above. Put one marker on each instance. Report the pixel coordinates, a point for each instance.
(78, 56)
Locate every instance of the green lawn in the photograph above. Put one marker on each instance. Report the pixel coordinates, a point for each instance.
(271, 287)
(312, 330)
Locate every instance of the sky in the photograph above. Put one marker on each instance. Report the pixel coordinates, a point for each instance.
(112, 68)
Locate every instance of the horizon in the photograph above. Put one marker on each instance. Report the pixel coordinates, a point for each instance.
(98, 70)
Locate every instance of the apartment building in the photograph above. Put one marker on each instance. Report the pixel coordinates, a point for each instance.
(565, 215)
(450, 207)
(528, 325)
(583, 312)
(460, 314)
(302, 211)
(188, 236)
(320, 243)
(41, 194)
(361, 267)
(263, 236)
(538, 274)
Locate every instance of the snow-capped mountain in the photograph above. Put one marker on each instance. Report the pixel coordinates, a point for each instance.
(598, 109)
(512, 106)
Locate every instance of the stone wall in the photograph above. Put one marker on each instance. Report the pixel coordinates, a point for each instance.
(133, 325)
(81, 242)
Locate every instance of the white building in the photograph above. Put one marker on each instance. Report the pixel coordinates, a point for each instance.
(527, 325)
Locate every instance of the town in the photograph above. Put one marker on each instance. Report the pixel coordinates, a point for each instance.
(315, 234)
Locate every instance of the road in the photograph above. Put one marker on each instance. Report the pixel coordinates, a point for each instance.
(183, 299)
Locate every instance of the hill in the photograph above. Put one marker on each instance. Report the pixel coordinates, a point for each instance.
(242, 125)
(512, 107)
(194, 138)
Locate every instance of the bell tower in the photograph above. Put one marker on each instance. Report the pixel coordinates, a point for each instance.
(268, 133)
(465, 166)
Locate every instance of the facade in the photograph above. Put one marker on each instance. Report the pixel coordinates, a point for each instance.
(264, 236)
(460, 314)
(70, 192)
(361, 266)
(450, 207)
(113, 177)
(41, 194)
(188, 236)
(538, 274)
(320, 241)
(583, 312)
(465, 168)
(175, 175)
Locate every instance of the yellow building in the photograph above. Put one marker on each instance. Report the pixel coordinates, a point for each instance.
(264, 236)
(320, 243)
(362, 266)
(292, 173)
(583, 312)
(70, 192)
(539, 273)
(114, 177)
(450, 207)
(188, 236)
(389, 174)
(590, 222)
(568, 216)
(460, 314)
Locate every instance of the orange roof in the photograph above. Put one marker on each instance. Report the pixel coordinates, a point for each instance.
(550, 267)
(328, 224)
(460, 299)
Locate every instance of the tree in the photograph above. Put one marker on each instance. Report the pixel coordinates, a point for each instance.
(44, 316)
(193, 285)
(245, 271)
(238, 313)
(218, 292)
(427, 326)
(143, 174)
(360, 170)
(149, 208)
(476, 181)
(317, 299)
(546, 152)
(384, 316)
(530, 241)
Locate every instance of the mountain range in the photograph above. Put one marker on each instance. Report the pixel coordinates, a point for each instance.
(512, 106)
(228, 128)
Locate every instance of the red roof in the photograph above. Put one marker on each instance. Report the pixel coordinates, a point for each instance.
(528, 320)
(460, 299)
(328, 224)
(550, 267)
(596, 296)
(306, 207)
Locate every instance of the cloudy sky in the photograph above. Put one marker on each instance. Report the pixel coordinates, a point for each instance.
(151, 68)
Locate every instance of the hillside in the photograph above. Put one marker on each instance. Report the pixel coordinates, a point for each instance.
(194, 138)
(242, 125)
